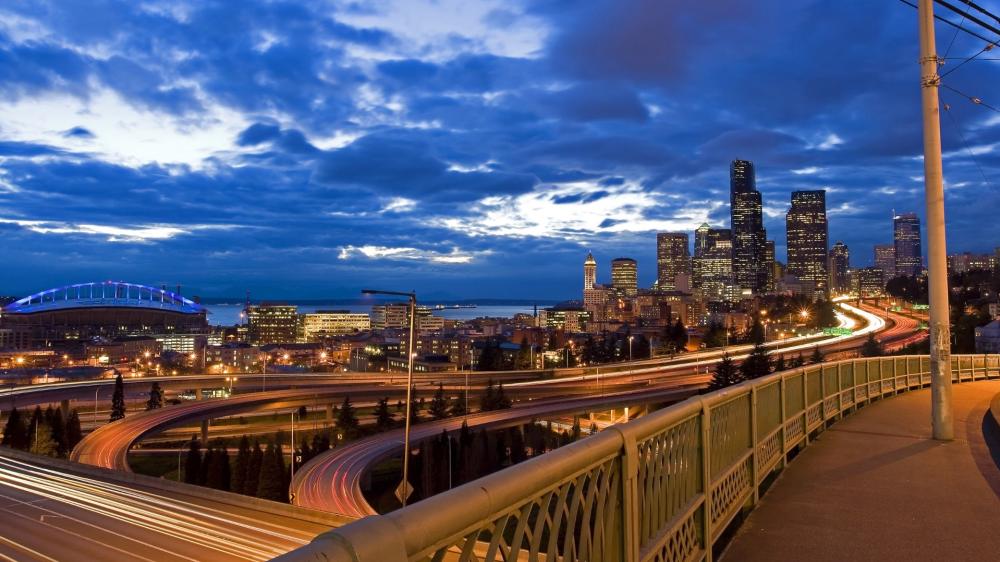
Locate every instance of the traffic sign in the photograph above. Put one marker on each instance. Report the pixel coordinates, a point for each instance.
(403, 491)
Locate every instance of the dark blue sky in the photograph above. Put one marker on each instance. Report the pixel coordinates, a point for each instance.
(460, 148)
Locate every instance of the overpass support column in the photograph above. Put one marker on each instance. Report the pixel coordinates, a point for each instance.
(937, 278)
(197, 393)
(64, 406)
(204, 432)
(329, 413)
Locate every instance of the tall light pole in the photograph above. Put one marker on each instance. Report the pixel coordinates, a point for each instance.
(412, 296)
(937, 278)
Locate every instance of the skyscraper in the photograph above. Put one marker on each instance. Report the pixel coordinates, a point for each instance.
(807, 239)
(840, 264)
(713, 269)
(906, 236)
(885, 259)
(589, 272)
(769, 266)
(701, 239)
(749, 236)
(672, 259)
(624, 277)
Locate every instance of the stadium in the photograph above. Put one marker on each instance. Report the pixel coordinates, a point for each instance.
(108, 309)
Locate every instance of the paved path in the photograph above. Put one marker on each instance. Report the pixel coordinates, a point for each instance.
(874, 486)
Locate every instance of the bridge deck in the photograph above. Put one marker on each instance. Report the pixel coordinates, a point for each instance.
(876, 487)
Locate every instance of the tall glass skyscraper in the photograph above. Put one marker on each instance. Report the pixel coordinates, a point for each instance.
(624, 277)
(840, 265)
(906, 235)
(672, 259)
(807, 239)
(749, 236)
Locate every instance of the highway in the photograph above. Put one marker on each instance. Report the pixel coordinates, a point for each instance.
(52, 515)
(332, 480)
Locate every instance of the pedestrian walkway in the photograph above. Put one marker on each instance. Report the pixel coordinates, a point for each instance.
(875, 486)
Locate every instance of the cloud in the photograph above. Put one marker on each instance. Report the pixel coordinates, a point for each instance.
(126, 234)
(453, 257)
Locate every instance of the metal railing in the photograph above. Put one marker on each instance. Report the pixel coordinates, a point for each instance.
(660, 488)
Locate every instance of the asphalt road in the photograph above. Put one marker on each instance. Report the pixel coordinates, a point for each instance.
(50, 515)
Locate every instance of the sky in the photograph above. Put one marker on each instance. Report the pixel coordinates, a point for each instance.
(459, 148)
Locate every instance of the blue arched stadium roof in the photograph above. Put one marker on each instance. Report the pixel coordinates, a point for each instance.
(104, 294)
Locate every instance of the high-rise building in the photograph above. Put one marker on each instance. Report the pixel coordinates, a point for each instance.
(272, 323)
(840, 265)
(713, 269)
(868, 282)
(624, 277)
(672, 259)
(885, 259)
(749, 236)
(769, 259)
(906, 235)
(807, 239)
(589, 272)
(701, 239)
(324, 323)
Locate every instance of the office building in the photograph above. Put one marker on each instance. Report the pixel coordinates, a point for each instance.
(272, 323)
(906, 236)
(807, 239)
(885, 259)
(749, 236)
(713, 268)
(868, 282)
(840, 266)
(769, 259)
(325, 323)
(624, 277)
(390, 316)
(589, 272)
(672, 259)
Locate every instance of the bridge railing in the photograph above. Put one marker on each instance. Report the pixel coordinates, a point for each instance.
(660, 488)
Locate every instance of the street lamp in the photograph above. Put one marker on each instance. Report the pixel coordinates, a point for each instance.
(412, 296)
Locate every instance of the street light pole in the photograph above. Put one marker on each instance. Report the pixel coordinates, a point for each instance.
(412, 296)
(937, 282)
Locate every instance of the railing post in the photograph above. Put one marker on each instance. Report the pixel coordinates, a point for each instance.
(784, 413)
(630, 496)
(753, 442)
(706, 477)
(805, 406)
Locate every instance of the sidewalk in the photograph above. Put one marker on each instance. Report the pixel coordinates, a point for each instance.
(874, 486)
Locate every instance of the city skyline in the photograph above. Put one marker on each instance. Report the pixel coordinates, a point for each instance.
(476, 152)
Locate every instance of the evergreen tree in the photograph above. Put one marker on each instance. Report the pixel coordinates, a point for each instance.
(218, 470)
(272, 476)
(458, 407)
(155, 397)
(57, 425)
(74, 433)
(192, 463)
(241, 465)
(118, 399)
(347, 419)
(757, 364)
(304, 451)
(797, 361)
(779, 364)
(715, 336)
(383, 417)
(502, 402)
(756, 335)
(679, 335)
(725, 374)
(253, 470)
(872, 348)
(593, 428)
(817, 355)
(414, 408)
(206, 459)
(575, 433)
(15, 433)
(320, 444)
(42, 442)
(439, 404)
(488, 401)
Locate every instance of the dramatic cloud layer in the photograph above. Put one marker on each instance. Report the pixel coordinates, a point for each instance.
(460, 148)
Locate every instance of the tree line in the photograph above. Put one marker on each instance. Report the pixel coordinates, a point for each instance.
(50, 432)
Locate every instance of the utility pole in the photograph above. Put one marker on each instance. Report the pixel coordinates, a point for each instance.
(937, 281)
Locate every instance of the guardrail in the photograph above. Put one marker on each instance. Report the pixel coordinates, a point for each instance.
(660, 488)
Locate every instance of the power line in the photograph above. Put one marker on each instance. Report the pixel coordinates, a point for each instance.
(970, 17)
(951, 23)
(972, 156)
(988, 47)
(973, 99)
(979, 9)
